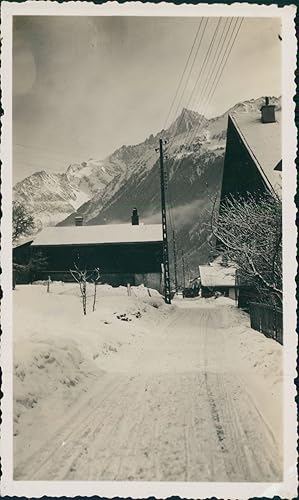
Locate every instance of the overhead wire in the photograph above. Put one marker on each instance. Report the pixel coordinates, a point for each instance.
(208, 78)
(225, 54)
(201, 71)
(217, 74)
(169, 197)
(202, 68)
(180, 83)
(182, 76)
(191, 68)
(170, 205)
(213, 63)
(209, 81)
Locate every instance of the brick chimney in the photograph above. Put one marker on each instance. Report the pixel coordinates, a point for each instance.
(268, 112)
(135, 217)
(79, 220)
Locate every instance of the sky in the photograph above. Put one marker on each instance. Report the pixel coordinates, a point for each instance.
(84, 86)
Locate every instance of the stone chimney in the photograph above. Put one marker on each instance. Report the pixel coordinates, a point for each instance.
(268, 112)
(79, 220)
(135, 217)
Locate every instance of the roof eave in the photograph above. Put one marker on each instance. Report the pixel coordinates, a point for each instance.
(95, 243)
(253, 157)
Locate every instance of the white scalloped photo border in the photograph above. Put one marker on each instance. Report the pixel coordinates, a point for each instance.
(141, 489)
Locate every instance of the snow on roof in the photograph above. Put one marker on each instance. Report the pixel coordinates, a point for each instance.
(93, 235)
(22, 242)
(263, 142)
(217, 275)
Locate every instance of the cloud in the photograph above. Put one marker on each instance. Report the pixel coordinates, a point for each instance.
(183, 215)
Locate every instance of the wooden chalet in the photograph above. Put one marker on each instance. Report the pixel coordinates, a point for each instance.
(124, 253)
(252, 165)
(216, 277)
(253, 160)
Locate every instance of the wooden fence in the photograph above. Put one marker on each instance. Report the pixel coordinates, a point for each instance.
(267, 319)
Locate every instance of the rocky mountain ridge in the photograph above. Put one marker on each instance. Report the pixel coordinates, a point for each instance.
(105, 191)
(53, 196)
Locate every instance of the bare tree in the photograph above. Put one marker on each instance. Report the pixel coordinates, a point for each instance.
(81, 277)
(22, 221)
(249, 232)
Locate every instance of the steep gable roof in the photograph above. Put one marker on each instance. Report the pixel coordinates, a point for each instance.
(101, 234)
(263, 142)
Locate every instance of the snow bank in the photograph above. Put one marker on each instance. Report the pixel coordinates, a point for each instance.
(260, 360)
(59, 353)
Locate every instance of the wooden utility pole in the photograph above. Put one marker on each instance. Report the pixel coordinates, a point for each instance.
(175, 264)
(188, 273)
(183, 268)
(167, 295)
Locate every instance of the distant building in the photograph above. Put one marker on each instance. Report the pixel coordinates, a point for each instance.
(218, 278)
(124, 253)
(253, 160)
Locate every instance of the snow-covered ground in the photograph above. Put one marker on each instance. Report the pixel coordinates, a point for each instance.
(142, 390)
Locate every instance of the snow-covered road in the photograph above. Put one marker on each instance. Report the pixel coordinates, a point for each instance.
(180, 407)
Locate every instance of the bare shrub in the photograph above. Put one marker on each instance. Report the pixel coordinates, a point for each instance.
(81, 277)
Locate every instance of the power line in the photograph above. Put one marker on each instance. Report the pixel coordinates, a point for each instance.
(200, 73)
(209, 74)
(206, 64)
(212, 65)
(183, 74)
(202, 68)
(218, 74)
(230, 50)
(203, 65)
(208, 79)
(175, 263)
(190, 71)
(169, 208)
(225, 52)
(180, 119)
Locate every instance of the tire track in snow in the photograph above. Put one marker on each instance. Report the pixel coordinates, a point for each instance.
(41, 458)
(182, 413)
(242, 433)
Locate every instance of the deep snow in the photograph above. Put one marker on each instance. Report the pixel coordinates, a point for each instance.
(142, 390)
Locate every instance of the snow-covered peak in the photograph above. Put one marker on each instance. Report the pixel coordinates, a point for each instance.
(186, 121)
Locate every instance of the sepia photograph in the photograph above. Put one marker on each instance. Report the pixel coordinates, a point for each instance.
(148, 175)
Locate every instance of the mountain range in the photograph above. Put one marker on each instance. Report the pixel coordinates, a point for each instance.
(105, 191)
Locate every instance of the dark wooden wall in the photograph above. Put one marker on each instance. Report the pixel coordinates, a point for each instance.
(110, 258)
(240, 174)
